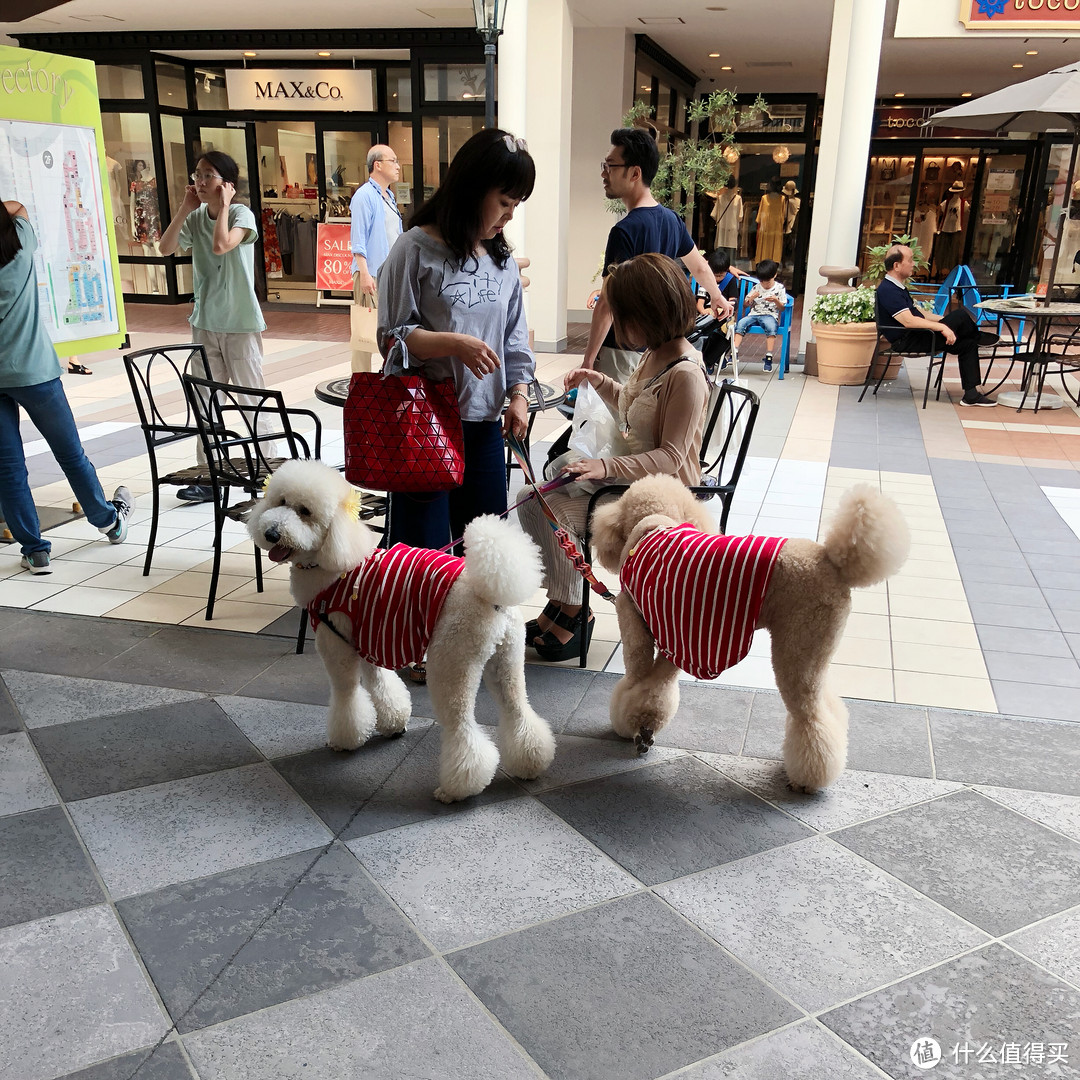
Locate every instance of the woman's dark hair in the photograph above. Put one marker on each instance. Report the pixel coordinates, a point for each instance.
(730, 182)
(638, 148)
(491, 160)
(775, 186)
(649, 298)
(10, 244)
(223, 165)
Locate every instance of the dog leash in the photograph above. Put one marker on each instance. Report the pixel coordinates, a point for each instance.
(581, 564)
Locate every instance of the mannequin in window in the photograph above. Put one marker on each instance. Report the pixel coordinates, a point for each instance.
(727, 212)
(924, 223)
(791, 212)
(770, 223)
(146, 218)
(117, 193)
(952, 225)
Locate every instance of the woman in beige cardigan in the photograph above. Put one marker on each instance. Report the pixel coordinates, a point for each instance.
(661, 411)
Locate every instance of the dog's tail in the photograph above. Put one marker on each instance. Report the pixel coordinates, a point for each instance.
(503, 564)
(868, 539)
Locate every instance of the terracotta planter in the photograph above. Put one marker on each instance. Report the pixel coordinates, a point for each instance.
(894, 367)
(844, 351)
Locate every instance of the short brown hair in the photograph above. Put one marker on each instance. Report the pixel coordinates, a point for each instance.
(651, 294)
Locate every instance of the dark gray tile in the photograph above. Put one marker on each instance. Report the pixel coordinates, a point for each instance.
(1074, 644)
(980, 748)
(10, 616)
(967, 555)
(10, 720)
(1069, 564)
(43, 867)
(677, 997)
(164, 1063)
(389, 781)
(1039, 546)
(1021, 642)
(1028, 618)
(334, 925)
(1030, 668)
(668, 820)
(976, 573)
(292, 678)
(1058, 579)
(189, 658)
(989, 997)
(1062, 599)
(1068, 621)
(287, 626)
(69, 645)
(1038, 700)
(882, 737)
(135, 749)
(991, 866)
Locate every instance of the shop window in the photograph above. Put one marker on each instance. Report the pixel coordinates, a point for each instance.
(171, 85)
(210, 92)
(398, 90)
(120, 81)
(345, 163)
(443, 137)
(643, 86)
(133, 187)
(781, 119)
(185, 282)
(177, 169)
(454, 82)
(400, 137)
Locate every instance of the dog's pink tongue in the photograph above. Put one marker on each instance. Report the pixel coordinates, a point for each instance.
(279, 553)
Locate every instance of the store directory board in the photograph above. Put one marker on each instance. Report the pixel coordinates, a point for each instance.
(51, 161)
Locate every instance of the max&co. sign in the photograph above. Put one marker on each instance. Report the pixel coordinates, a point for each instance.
(296, 89)
(1020, 14)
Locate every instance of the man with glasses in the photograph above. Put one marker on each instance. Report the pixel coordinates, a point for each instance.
(376, 224)
(627, 173)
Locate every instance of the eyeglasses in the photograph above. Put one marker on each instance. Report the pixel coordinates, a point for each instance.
(607, 166)
(514, 145)
(206, 177)
(389, 160)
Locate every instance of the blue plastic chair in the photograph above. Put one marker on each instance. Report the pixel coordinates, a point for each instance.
(783, 329)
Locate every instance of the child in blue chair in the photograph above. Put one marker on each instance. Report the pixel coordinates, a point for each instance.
(767, 300)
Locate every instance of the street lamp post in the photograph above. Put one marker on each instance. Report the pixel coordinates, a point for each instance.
(489, 15)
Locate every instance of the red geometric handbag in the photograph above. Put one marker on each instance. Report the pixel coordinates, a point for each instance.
(403, 433)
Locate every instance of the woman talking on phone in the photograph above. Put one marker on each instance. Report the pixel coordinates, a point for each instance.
(227, 320)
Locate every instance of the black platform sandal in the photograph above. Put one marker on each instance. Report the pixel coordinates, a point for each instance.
(553, 650)
(532, 627)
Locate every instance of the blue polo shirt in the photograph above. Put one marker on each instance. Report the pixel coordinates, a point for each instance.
(892, 298)
(368, 232)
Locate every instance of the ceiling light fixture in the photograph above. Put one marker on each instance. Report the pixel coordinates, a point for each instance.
(780, 154)
(901, 94)
(726, 67)
(1032, 52)
(714, 56)
(966, 93)
(1018, 65)
(249, 53)
(324, 52)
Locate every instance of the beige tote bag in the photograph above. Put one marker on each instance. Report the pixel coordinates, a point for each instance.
(363, 339)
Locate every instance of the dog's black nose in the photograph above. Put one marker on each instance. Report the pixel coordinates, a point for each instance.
(272, 534)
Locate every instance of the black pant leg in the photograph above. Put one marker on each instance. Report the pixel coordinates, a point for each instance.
(966, 346)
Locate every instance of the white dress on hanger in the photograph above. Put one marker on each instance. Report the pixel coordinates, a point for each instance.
(727, 212)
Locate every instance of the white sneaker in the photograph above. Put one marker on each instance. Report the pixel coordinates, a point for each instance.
(122, 499)
(37, 562)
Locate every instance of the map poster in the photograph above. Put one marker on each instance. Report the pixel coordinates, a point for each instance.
(53, 170)
(52, 158)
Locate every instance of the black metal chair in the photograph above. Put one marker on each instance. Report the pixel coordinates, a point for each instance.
(239, 427)
(737, 408)
(165, 417)
(888, 354)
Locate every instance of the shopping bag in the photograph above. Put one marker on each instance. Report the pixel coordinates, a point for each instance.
(593, 434)
(363, 334)
(402, 431)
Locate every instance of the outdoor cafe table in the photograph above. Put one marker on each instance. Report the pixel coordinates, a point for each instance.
(1034, 353)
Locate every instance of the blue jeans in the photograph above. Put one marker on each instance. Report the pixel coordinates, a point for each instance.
(433, 520)
(47, 406)
(766, 322)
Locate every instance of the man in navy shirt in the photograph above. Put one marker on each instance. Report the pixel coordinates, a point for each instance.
(906, 326)
(627, 173)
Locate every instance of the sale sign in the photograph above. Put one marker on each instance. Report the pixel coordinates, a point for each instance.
(1020, 14)
(333, 257)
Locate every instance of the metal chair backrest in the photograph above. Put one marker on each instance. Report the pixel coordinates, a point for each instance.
(735, 410)
(156, 378)
(246, 431)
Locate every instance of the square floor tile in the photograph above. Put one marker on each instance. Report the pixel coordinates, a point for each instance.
(291, 678)
(43, 867)
(277, 728)
(672, 819)
(987, 998)
(67, 646)
(578, 759)
(1055, 944)
(10, 718)
(72, 994)
(135, 749)
(333, 926)
(165, 1062)
(1037, 699)
(144, 839)
(384, 784)
(1058, 812)
(24, 785)
(881, 737)
(59, 699)
(789, 915)
(489, 870)
(417, 1021)
(677, 997)
(991, 866)
(1038, 755)
(852, 797)
(787, 1053)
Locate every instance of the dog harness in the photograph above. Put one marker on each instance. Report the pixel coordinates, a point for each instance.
(393, 600)
(700, 594)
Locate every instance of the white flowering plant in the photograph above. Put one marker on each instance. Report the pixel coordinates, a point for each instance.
(856, 306)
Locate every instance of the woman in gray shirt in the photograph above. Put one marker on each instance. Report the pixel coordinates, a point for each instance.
(451, 291)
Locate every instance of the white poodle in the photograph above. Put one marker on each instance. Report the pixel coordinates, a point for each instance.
(308, 517)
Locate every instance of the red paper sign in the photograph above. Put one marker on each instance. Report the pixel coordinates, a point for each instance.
(1020, 14)
(333, 257)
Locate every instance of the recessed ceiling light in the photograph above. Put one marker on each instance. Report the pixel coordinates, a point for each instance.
(1018, 65)
(646, 88)
(251, 54)
(966, 93)
(899, 95)
(716, 9)
(1032, 52)
(714, 55)
(726, 67)
(324, 52)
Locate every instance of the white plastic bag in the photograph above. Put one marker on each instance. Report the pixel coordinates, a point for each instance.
(594, 434)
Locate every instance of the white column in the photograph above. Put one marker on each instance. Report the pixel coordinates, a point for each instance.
(535, 86)
(846, 124)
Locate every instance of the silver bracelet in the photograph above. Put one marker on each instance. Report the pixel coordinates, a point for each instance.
(519, 393)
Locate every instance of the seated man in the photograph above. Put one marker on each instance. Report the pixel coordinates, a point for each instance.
(905, 325)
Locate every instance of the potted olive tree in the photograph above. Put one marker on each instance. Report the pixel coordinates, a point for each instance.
(846, 333)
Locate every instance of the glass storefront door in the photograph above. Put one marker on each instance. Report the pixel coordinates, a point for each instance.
(344, 165)
(994, 222)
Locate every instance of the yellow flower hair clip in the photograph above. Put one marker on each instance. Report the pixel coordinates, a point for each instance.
(351, 505)
(266, 483)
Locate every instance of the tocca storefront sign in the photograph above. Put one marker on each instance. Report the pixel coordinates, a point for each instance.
(1020, 14)
(292, 89)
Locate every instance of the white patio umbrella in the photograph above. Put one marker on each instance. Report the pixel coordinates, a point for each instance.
(1049, 102)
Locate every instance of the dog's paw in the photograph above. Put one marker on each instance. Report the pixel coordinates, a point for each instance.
(445, 797)
(344, 745)
(392, 726)
(530, 754)
(643, 740)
